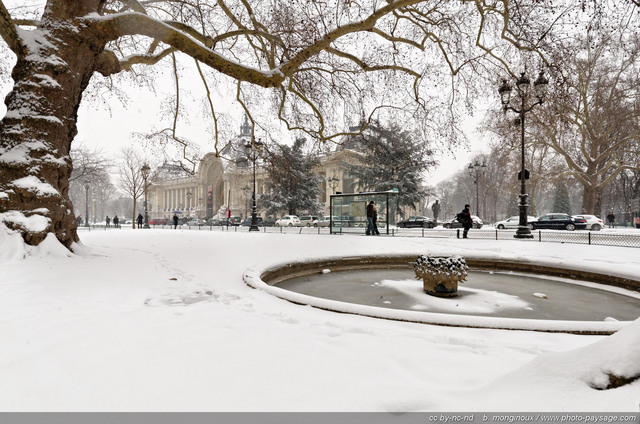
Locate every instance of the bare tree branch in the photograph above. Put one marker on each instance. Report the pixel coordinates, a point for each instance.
(8, 30)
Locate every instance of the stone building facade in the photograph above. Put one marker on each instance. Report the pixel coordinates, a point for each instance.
(221, 188)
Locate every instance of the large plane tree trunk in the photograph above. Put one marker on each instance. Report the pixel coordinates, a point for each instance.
(54, 66)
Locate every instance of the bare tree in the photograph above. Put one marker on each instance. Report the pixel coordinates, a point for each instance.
(130, 179)
(90, 166)
(306, 56)
(592, 123)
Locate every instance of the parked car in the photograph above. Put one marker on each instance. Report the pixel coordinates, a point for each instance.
(269, 222)
(325, 221)
(307, 220)
(288, 221)
(198, 222)
(247, 222)
(593, 222)
(513, 222)
(159, 221)
(234, 220)
(453, 223)
(559, 221)
(213, 222)
(417, 222)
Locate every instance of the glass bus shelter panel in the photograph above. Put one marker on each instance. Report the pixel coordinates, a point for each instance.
(349, 211)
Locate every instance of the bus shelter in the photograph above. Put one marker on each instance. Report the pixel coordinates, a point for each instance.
(349, 211)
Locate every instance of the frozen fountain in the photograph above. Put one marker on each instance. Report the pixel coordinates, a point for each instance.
(498, 293)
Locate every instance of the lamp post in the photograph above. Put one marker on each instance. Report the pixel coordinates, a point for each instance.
(246, 190)
(145, 174)
(189, 207)
(333, 183)
(86, 203)
(522, 101)
(253, 151)
(475, 170)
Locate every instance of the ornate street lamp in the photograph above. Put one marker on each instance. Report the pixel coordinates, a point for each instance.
(253, 152)
(246, 190)
(333, 183)
(86, 203)
(523, 88)
(189, 207)
(145, 170)
(475, 170)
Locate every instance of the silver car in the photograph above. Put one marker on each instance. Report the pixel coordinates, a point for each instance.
(325, 221)
(513, 222)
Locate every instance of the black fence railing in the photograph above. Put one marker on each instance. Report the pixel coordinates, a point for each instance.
(602, 238)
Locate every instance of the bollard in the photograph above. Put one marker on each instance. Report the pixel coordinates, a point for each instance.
(458, 233)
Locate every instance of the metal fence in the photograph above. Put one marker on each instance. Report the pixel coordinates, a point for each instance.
(602, 238)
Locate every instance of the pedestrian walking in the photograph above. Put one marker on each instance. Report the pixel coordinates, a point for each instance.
(116, 221)
(108, 221)
(435, 208)
(611, 218)
(370, 208)
(464, 218)
(140, 219)
(175, 221)
(374, 230)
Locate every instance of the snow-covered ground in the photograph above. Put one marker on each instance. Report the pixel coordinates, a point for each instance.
(161, 320)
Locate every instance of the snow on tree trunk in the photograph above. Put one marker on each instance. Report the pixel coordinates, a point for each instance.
(51, 73)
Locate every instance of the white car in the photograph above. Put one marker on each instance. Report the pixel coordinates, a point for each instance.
(593, 222)
(196, 222)
(288, 221)
(513, 222)
(322, 222)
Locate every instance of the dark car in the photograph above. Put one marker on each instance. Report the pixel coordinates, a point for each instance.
(269, 222)
(247, 222)
(559, 221)
(417, 222)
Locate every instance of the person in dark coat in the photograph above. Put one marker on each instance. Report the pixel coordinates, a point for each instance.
(374, 221)
(116, 220)
(435, 208)
(108, 221)
(612, 220)
(175, 221)
(467, 222)
(140, 219)
(370, 209)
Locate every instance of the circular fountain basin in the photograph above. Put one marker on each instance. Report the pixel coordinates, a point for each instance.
(495, 295)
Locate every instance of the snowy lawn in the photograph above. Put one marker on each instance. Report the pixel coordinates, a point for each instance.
(161, 320)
